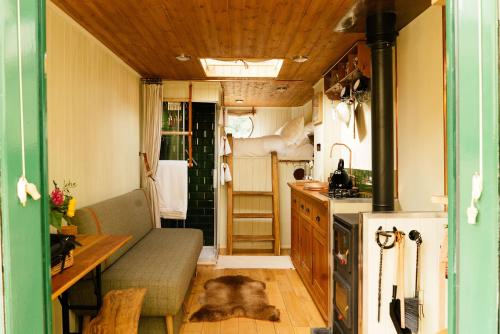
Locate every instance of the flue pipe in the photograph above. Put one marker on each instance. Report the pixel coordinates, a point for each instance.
(381, 36)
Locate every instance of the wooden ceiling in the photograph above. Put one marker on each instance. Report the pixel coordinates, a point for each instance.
(149, 34)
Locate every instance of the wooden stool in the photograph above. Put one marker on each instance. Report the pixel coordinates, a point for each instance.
(119, 313)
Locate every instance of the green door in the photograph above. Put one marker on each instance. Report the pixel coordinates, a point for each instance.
(26, 280)
(472, 49)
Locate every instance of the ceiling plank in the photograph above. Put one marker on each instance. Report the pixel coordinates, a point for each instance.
(149, 34)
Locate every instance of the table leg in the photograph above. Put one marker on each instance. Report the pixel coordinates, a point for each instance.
(98, 286)
(65, 312)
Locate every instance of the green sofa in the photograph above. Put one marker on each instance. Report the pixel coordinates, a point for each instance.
(161, 260)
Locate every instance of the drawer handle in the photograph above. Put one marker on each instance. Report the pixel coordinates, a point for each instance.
(295, 201)
(318, 219)
(307, 210)
(302, 206)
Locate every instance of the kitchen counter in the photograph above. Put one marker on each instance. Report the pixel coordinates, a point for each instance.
(312, 239)
(319, 196)
(314, 195)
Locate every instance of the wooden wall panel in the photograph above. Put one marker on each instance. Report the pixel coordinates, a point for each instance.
(93, 113)
(305, 110)
(268, 120)
(202, 91)
(148, 36)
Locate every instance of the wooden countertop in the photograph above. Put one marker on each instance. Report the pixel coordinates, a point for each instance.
(95, 249)
(314, 195)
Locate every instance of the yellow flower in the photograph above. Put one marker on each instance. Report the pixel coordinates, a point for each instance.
(71, 208)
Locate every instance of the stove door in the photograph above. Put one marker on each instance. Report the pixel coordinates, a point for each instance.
(343, 252)
(343, 298)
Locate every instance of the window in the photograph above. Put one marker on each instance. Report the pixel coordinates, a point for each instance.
(242, 68)
(239, 126)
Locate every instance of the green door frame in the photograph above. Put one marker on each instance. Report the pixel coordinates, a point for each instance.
(472, 44)
(25, 244)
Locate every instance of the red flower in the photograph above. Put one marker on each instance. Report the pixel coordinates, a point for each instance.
(57, 197)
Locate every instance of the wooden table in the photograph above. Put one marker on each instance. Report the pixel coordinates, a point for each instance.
(94, 251)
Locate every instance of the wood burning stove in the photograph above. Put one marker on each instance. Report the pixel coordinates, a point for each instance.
(346, 243)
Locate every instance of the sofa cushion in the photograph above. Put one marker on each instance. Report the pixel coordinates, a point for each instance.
(163, 262)
(127, 214)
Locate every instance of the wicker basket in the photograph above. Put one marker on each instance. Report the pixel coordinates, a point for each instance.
(67, 263)
(69, 229)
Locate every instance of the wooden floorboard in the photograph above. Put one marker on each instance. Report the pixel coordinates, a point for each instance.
(285, 290)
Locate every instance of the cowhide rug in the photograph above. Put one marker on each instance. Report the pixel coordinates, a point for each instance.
(235, 296)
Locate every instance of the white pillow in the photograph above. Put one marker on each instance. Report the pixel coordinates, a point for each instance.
(292, 131)
(309, 129)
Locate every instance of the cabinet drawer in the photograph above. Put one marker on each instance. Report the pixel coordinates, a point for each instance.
(320, 219)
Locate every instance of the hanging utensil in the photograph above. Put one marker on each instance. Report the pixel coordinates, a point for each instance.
(413, 307)
(344, 112)
(385, 244)
(395, 307)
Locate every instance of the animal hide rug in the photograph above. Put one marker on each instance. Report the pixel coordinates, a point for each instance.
(235, 296)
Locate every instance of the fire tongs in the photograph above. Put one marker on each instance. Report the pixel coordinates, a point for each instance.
(389, 240)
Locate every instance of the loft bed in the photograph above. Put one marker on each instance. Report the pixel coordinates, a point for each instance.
(260, 169)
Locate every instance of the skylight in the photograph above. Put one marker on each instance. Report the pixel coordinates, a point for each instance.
(241, 68)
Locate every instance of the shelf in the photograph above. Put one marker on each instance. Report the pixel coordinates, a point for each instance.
(351, 76)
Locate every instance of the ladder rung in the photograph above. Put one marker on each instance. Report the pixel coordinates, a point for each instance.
(253, 238)
(252, 193)
(255, 222)
(253, 215)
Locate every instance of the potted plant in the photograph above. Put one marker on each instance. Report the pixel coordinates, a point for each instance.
(62, 207)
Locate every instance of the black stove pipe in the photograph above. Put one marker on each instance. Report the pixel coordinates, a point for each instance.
(381, 35)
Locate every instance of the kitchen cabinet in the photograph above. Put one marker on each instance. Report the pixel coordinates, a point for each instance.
(305, 249)
(310, 247)
(294, 252)
(320, 269)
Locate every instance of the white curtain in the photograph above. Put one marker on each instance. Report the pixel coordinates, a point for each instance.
(151, 109)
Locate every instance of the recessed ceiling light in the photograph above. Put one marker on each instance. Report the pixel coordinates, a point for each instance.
(239, 101)
(183, 57)
(300, 59)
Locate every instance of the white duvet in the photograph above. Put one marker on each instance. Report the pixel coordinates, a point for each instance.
(263, 146)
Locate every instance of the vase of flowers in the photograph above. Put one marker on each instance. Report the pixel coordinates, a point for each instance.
(62, 207)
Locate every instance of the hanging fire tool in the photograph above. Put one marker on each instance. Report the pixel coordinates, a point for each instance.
(414, 309)
(396, 309)
(387, 243)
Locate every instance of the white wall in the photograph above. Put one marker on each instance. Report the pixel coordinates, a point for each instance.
(269, 119)
(93, 113)
(420, 118)
(93, 116)
(420, 104)
(432, 229)
(332, 130)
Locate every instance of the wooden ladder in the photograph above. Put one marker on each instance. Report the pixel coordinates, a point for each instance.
(233, 217)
